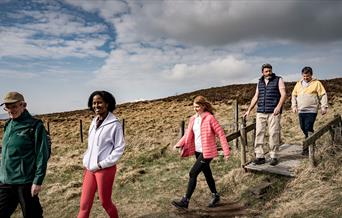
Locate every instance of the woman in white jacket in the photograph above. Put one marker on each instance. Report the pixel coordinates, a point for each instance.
(105, 147)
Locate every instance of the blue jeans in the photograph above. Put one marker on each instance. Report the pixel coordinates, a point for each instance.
(306, 121)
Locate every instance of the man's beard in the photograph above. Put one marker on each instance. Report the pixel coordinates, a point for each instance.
(267, 77)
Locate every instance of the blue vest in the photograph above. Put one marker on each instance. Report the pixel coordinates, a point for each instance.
(269, 94)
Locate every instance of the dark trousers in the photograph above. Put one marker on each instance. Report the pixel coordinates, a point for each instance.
(201, 165)
(306, 121)
(11, 195)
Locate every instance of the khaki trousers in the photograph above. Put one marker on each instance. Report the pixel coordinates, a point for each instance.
(273, 123)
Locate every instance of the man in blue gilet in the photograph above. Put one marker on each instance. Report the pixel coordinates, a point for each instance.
(270, 96)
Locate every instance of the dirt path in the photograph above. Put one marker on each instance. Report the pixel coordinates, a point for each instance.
(198, 209)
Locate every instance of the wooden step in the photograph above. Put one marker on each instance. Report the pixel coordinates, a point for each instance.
(289, 157)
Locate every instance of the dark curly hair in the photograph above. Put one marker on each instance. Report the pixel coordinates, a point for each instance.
(106, 96)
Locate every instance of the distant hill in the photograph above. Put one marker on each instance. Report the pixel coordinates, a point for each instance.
(243, 93)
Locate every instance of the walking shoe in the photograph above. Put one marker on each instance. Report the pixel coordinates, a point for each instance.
(274, 161)
(215, 199)
(183, 203)
(259, 161)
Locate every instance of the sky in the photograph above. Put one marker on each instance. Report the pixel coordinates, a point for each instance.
(57, 52)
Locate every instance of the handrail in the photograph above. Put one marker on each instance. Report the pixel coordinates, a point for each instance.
(327, 127)
(333, 126)
(237, 134)
(242, 132)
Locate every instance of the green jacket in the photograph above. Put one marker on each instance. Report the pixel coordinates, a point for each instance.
(24, 151)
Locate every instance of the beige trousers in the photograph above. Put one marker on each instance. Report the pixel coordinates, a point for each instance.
(273, 123)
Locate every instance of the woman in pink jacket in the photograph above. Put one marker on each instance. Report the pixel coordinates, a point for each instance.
(199, 140)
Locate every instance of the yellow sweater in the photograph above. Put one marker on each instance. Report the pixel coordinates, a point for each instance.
(307, 99)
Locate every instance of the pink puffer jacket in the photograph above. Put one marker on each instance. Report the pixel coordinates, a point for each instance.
(209, 129)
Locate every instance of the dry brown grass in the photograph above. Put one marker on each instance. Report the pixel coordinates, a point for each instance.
(315, 192)
(150, 174)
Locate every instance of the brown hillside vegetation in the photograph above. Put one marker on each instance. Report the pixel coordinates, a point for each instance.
(150, 174)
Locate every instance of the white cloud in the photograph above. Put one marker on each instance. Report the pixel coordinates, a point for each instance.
(57, 23)
(222, 69)
(18, 43)
(15, 74)
(52, 34)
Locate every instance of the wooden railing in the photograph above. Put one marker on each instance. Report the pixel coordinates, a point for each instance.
(242, 133)
(334, 127)
(80, 126)
(233, 126)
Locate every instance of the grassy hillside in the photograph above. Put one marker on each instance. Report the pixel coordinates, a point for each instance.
(150, 174)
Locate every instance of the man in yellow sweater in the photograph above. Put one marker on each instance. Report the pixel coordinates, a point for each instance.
(308, 96)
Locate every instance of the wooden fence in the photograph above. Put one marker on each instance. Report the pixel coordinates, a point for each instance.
(242, 133)
(234, 126)
(239, 130)
(81, 128)
(334, 127)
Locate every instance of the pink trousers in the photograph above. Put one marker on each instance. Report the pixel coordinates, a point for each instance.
(101, 180)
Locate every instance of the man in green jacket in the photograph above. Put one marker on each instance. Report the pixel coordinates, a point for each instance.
(23, 160)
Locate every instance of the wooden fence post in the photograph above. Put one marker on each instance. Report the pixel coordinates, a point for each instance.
(312, 152)
(243, 142)
(337, 136)
(254, 132)
(81, 131)
(123, 126)
(48, 127)
(236, 120)
(337, 140)
(181, 128)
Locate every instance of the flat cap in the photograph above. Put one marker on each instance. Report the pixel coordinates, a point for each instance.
(12, 97)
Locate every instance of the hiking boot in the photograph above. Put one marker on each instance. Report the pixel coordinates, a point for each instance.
(183, 203)
(215, 199)
(274, 161)
(259, 161)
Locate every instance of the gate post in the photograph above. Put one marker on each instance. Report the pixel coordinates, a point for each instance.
(236, 119)
(181, 128)
(243, 142)
(81, 131)
(312, 152)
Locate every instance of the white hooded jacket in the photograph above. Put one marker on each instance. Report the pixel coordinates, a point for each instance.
(105, 144)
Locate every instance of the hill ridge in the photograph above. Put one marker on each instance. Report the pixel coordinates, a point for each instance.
(242, 92)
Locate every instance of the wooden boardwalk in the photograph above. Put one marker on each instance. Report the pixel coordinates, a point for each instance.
(290, 158)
